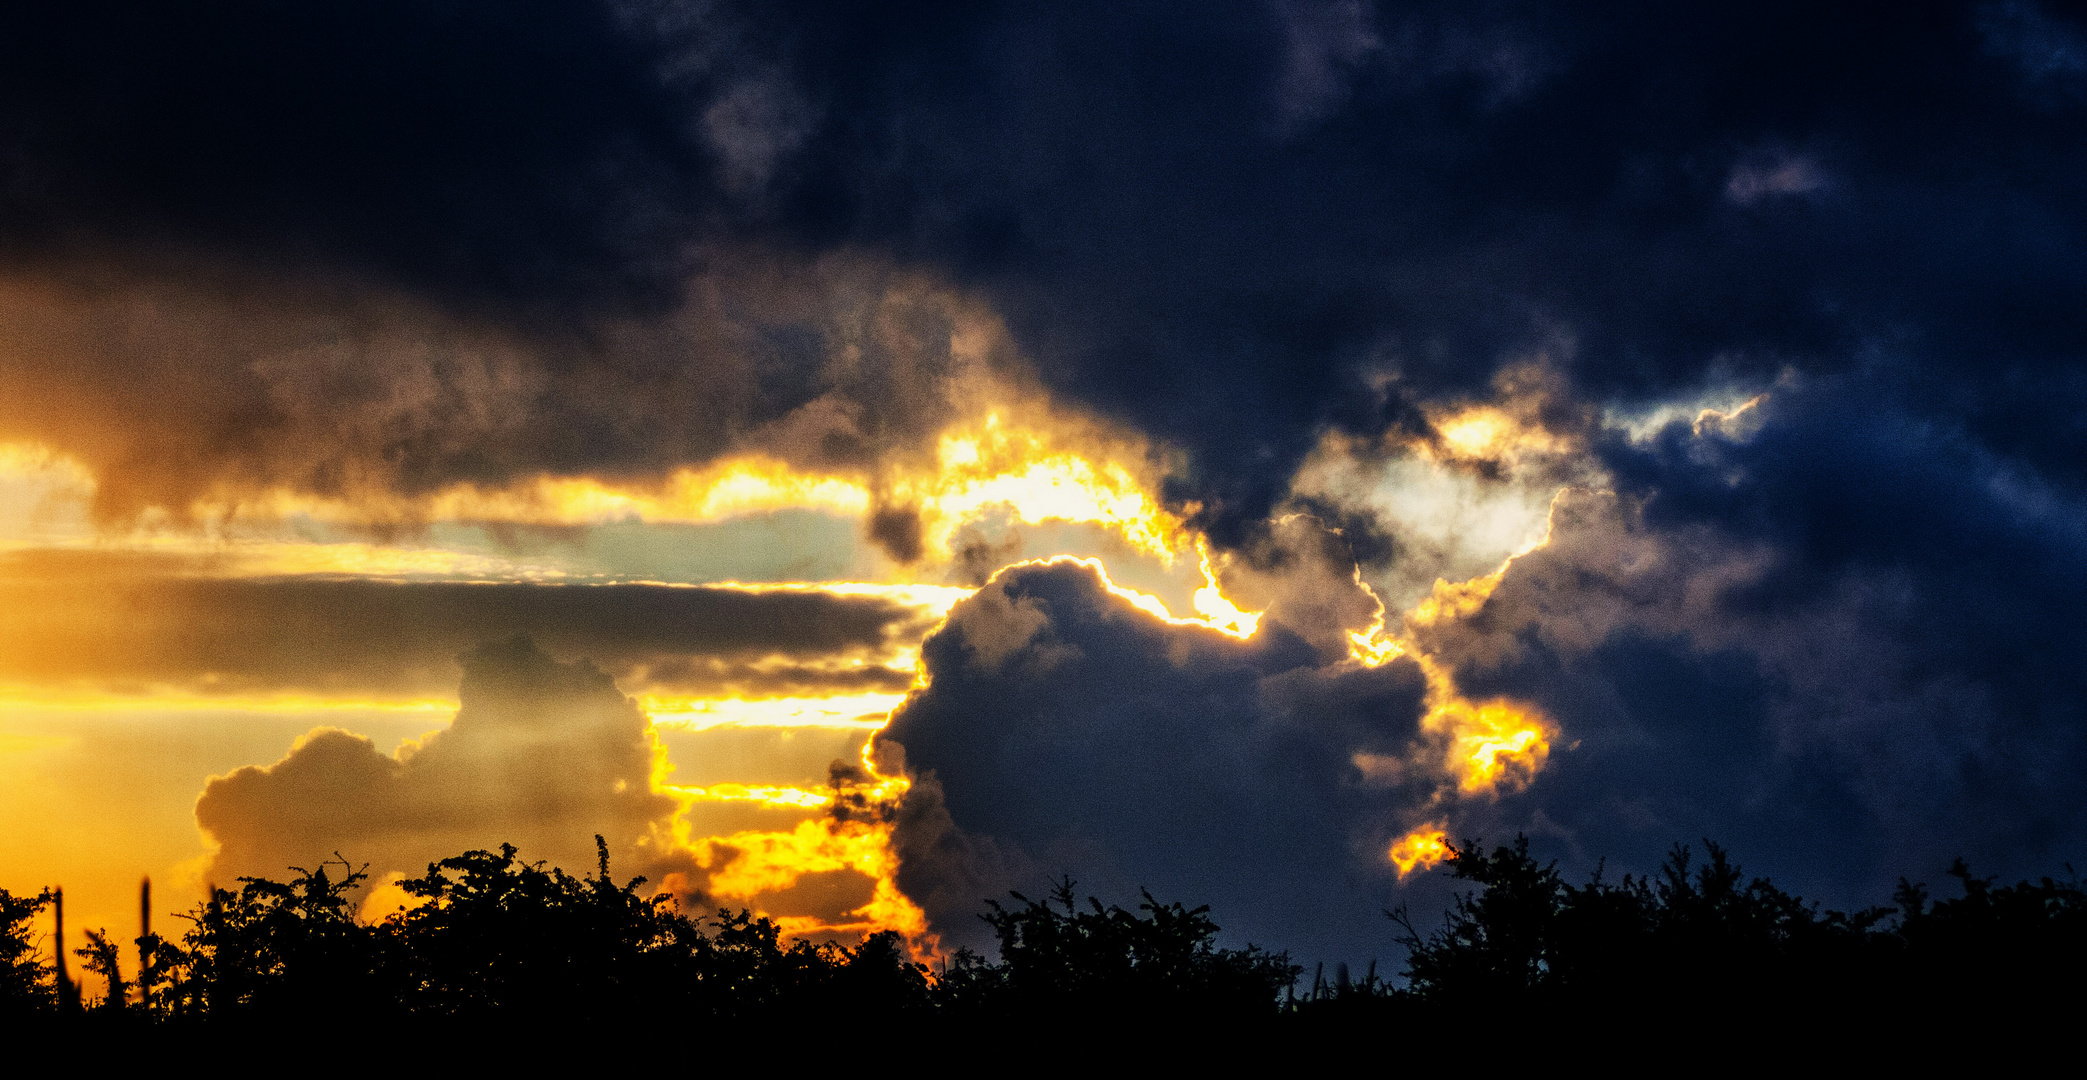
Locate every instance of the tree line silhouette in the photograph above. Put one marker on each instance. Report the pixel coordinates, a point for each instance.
(497, 938)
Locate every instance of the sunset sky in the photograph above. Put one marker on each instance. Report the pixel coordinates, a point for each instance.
(860, 459)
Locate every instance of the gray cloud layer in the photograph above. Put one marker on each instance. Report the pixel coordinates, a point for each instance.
(119, 622)
(177, 391)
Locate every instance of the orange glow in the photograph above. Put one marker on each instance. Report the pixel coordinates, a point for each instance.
(732, 487)
(46, 472)
(697, 714)
(159, 698)
(1052, 471)
(1733, 422)
(387, 898)
(770, 796)
(1420, 849)
(996, 466)
(744, 866)
(1216, 610)
(1228, 620)
(1488, 433)
(1488, 746)
(1455, 600)
(991, 467)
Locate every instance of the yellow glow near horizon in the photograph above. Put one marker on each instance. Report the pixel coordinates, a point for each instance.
(769, 862)
(746, 865)
(729, 488)
(159, 698)
(248, 558)
(868, 711)
(37, 464)
(988, 467)
(935, 600)
(990, 470)
(743, 866)
(777, 796)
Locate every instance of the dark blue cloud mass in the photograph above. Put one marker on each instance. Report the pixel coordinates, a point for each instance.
(1065, 731)
(1213, 226)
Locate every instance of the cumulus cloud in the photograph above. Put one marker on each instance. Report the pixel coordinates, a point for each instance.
(542, 754)
(1066, 731)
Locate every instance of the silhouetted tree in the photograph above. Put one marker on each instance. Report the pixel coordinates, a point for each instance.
(498, 935)
(2022, 944)
(274, 952)
(101, 957)
(498, 939)
(1108, 962)
(24, 977)
(1497, 942)
(1696, 937)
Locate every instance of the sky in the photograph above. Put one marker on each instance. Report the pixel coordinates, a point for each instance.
(862, 459)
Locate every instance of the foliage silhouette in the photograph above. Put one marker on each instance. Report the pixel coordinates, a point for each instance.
(24, 977)
(1706, 929)
(101, 956)
(495, 939)
(1700, 940)
(269, 952)
(1103, 961)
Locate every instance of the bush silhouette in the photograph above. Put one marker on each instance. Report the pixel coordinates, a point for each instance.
(25, 988)
(1104, 961)
(498, 939)
(1701, 939)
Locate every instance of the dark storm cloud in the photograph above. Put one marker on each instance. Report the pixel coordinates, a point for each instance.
(211, 387)
(119, 623)
(1142, 195)
(1067, 732)
(1846, 645)
(490, 146)
(1205, 224)
(542, 754)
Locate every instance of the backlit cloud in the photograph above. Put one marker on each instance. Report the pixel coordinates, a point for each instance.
(1065, 731)
(543, 755)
